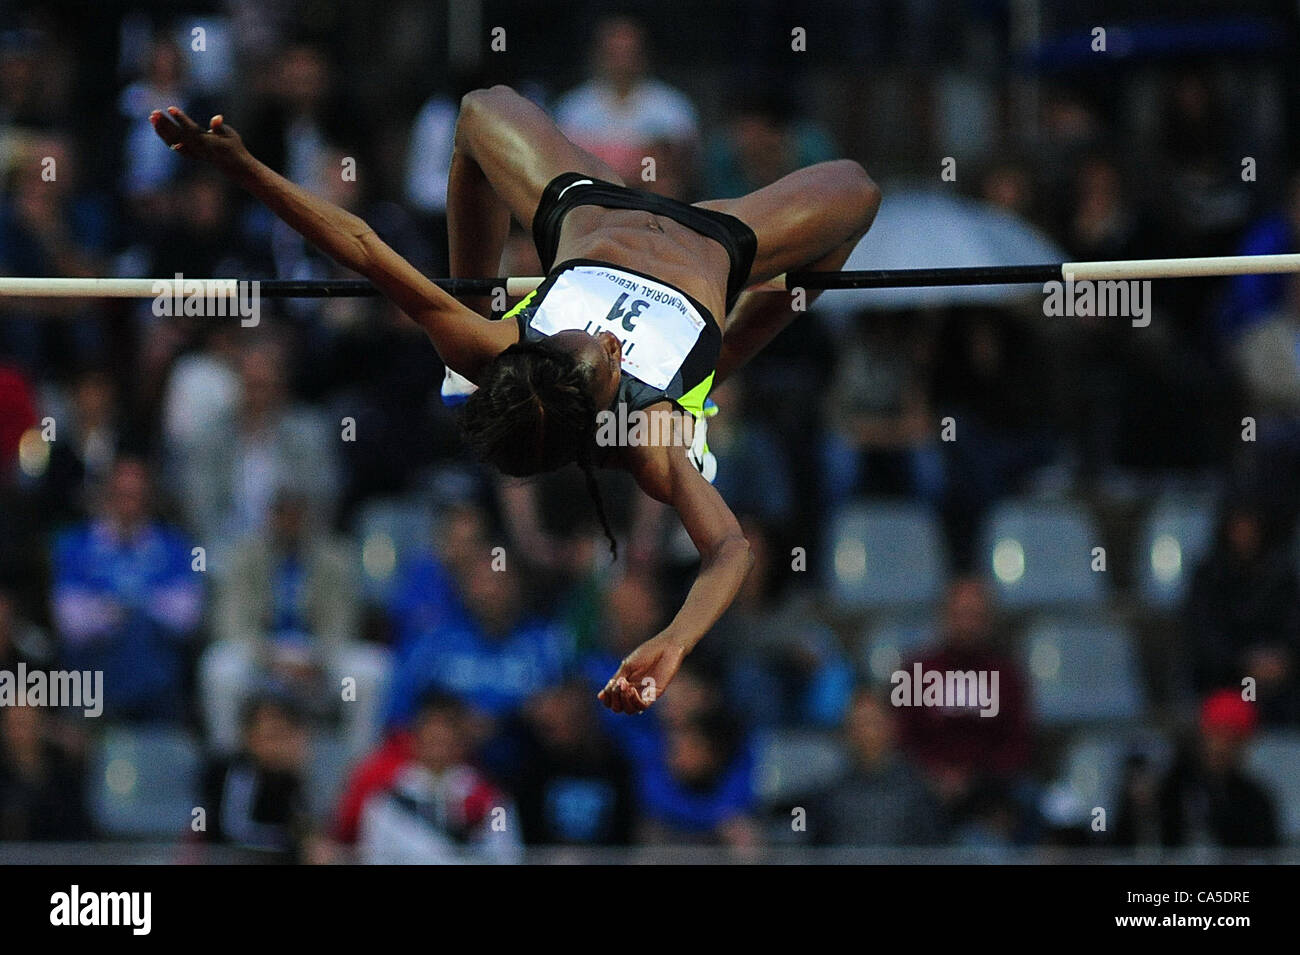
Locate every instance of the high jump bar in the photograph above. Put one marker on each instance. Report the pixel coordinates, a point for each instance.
(1117, 270)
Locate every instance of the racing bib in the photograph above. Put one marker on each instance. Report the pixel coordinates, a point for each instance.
(657, 325)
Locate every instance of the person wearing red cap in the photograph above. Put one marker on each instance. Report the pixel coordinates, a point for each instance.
(1208, 798)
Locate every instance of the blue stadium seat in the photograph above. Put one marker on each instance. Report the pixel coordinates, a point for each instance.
(388, 531)
(144, 783)
(1082, 671)
(793, 763)
(1274, 760)
(886, 555)
(890, 642)
(1039, 554)
(1175, 536)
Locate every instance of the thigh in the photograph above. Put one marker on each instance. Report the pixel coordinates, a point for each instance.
(804, 216)
(520, 149)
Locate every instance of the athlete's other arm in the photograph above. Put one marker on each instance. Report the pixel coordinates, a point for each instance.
(465, 340)
(667, 475)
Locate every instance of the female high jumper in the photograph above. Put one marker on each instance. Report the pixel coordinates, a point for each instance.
(643, 306)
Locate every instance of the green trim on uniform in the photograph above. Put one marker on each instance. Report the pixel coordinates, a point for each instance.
(693, 400)
(523, 303)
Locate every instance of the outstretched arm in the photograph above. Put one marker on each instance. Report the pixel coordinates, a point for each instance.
(464, 340)
(667, 475)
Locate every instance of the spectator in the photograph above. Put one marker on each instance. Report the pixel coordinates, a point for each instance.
(882, 434)
(1008, 184)
(42, 783)
(764, 139)
(289, 613)
(974, 763)
(1243, 616)
(22, 522)
(753, 470)
(1252, 298)
(147, 169)
(1208, 798)
(573, 787)
(439, 810)
(1137, 819)
(202, 391)
(31, 94)
(51, 226)
(1267, 357)
(1103, 223)
(266, 442)
(774, 651)
(880, 800)
(987, 377)
(696, 783)
(21, 641)
(492, 660)
(18, 414)
(128, 602)
(621, 113)
(88, 439)
(304, 116)
(427, 592)
(255, 798)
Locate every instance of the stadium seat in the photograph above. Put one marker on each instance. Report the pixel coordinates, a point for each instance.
(1274, 760)
(886, 555)
(1094, 764)
(1039, 554)
(144, 783)
(388, 530)
(890, 642)
(1175, 535)
(794, 763)
(1082, 671)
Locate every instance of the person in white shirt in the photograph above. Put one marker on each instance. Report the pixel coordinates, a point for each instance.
(622, 114)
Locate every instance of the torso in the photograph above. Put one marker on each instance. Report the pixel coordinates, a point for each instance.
(653, 244)
(674, 254)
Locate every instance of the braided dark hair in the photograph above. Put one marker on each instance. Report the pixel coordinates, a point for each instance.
(533, 412)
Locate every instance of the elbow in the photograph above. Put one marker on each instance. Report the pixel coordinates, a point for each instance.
(737, 552)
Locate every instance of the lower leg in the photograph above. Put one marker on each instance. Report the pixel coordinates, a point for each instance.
(760, 316)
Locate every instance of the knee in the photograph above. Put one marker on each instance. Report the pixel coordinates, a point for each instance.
(477, 100)
(856, 193)
(475, 108)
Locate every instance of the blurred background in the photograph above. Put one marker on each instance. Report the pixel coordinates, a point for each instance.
(350, 678)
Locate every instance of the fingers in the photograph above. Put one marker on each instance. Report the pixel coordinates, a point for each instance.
(622, 696)
(165, 127)
(610, 697)
(632, 702)
(176, 113)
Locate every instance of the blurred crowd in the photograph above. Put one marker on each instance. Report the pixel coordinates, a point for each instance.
(267, 537)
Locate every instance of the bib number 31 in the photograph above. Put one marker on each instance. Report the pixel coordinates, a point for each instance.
(626, 315)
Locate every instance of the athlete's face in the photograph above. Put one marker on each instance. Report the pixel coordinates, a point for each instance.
(600, 355)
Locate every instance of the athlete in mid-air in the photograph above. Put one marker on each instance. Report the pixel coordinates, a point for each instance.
(643, 305)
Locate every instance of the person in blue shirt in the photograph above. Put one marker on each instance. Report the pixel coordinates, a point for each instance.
(492, 659)
(426, 593)
(128, 602)
(1253, 298)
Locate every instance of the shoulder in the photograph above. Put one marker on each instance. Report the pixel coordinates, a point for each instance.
(656, 466)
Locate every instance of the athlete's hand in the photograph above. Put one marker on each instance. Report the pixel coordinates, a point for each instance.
(644, 675)
(218, 144)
